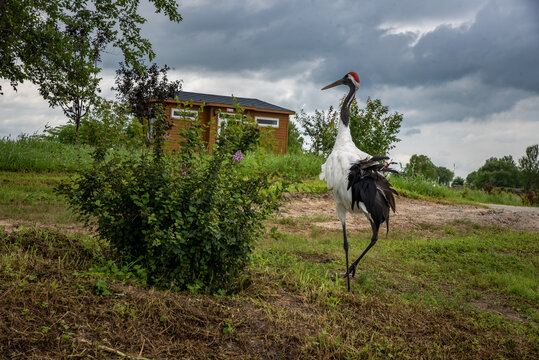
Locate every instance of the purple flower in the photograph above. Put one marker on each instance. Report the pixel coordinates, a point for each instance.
(238, 156)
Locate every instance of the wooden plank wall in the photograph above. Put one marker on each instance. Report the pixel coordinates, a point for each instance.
(279, 134)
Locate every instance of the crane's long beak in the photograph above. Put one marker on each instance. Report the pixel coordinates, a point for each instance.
(338, 82)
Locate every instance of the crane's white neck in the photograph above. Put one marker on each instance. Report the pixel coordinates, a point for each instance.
(343, 135)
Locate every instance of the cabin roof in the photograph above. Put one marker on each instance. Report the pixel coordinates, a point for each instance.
(210, 99)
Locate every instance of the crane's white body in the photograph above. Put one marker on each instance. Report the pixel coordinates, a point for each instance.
(335, 171)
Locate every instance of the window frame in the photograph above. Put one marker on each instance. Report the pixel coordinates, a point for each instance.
(267, 118)
(192, 117)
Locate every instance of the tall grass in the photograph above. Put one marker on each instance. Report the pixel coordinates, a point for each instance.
(32, 153)
(417, 187)
(297, 165)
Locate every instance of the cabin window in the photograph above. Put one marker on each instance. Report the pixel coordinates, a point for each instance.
(267, 121)
(184, 114)
(224, 117)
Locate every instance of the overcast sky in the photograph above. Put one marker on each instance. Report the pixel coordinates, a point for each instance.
(464, 73)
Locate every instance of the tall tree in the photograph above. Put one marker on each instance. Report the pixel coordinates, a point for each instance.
(529, 166)
(444, 175)
(421, 165)
(145, 92)
(373, 129)
(71, 81)
(32, 32)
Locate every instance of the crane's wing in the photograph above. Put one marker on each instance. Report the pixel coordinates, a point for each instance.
(370, 186)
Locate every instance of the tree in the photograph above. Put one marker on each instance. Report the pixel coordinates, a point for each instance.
(529, 167)
(373, 129)
(32, 32)
(500, 172)
(421, 165)
(72, 81)
(321, 128)
(145, 92)
(295, 140)
(444, 175)
(458, 181)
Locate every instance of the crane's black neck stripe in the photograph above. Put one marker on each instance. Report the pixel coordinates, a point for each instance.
(345, 110)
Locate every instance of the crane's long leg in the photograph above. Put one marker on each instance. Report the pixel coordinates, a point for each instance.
(345, 245)
(374, 238)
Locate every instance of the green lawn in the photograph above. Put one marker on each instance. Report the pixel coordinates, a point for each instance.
(459, 290)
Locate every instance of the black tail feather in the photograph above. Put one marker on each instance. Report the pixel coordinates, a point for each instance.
(370, 186)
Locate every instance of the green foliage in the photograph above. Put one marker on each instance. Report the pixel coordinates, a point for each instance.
(321, 128)
(189, 220)
(444, 175)
(33, 34)
(496, 173)
(295, 140)
(145, 92)
(458, 181)
(238, 132)
(71, 81)
(421, 165)
(529, 167)
(106, 125)
(373, 129)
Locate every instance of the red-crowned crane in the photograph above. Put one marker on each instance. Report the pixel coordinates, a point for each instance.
(355, 177)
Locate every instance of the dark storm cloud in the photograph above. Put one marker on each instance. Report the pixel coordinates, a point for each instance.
(502, 46)
(413, 131)
(480, 59)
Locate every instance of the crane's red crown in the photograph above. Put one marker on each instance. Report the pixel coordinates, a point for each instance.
(354, 75)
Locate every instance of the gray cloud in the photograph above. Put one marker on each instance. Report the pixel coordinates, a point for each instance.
(413, 131)
(440, 63)
(495, 43)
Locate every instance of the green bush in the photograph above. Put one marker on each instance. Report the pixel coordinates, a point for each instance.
(191, 219)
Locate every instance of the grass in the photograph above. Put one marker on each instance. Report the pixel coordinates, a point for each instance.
(420, 188)
(31, 153)
(35, 154)
(458, 290)
(469, 292)
(30, 197)
(299, 166)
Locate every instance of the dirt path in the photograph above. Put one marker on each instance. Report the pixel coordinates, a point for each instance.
(410, 214)
(413, 213)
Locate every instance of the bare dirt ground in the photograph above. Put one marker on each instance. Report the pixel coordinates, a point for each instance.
(413, 213)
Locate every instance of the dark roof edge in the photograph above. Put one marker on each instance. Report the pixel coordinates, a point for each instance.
(227, 100)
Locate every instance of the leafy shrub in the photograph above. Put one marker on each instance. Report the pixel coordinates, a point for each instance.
(190, 219)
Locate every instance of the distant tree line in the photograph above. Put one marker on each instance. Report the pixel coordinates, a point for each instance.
(505, 172)
(421, 165)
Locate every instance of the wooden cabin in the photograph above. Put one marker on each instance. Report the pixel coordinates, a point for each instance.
(215, 110)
